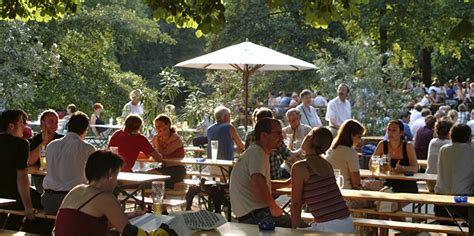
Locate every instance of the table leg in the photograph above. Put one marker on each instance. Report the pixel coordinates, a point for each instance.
(471, 220)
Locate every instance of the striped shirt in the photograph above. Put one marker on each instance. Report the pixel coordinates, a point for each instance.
(323, 197)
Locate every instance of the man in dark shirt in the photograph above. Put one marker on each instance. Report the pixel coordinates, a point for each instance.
(49, 125)
(14, 180)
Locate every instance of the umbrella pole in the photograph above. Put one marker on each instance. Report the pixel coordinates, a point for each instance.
(246, 95)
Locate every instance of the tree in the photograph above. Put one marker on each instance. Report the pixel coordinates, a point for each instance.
(38, 10)
(24, 61)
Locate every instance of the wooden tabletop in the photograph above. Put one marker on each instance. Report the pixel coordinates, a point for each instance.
(422, 163)
(232, 228)
(139, 178)
(351, 194)
(6, 201)
(122, 176)
(416, 177)
(194, 149)
(5, 232)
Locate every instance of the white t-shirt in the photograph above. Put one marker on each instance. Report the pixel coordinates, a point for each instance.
(424, 101)
(242, 197)
(471, 124)
(414, 116)
(339, 111)
(129, 108)
(345, 159)
(320, 101)
(309, 116)
(420, 122)
(433, 153)
(455, 165)
(66, 162)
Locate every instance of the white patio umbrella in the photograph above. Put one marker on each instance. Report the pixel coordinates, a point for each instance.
(247, 58)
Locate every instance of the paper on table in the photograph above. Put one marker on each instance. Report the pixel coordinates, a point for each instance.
(150, 222)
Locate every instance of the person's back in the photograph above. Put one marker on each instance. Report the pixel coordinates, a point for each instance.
(455, 169)
(345, 159)
(221, 133)
(13, 156)
(129, 146)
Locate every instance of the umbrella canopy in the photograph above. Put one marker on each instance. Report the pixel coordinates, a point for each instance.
(247, 57)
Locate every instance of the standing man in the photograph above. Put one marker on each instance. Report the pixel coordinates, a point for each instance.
(455, 171)
(250, 185)
(14, 180)
(224, 132)
(65, 162)
(339, 109)
(308, 113)
(134, 106)
(38, 143)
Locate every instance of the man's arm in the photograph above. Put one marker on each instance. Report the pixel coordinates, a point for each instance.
(281, 183)
(235, 136)
(259, 186)
(23, 185)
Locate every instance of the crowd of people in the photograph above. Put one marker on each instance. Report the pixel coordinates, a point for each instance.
(301, 155)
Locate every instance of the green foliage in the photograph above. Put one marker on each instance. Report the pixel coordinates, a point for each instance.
(24, 62)
(38, 10)
(374, 98)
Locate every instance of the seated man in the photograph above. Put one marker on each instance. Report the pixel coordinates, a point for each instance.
(66, 162)
(38, 143)
(295, 133)
(250, 186)
(130, 143)
(14, 180)
(455, 171)
(225, 133)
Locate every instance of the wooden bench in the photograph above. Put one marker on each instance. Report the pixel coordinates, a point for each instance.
(408, 226)
(39, 214)
(397, 225)
(404, 214)
(204, 174)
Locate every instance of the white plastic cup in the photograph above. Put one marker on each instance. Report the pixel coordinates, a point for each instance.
(214, 149)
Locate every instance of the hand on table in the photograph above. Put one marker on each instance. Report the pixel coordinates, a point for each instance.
(30, 213)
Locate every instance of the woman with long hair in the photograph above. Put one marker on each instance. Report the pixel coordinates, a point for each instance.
(314, 183)
(402, 157)
(342, 154)
(169, 144)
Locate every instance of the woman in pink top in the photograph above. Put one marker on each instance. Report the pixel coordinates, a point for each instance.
(313, 183)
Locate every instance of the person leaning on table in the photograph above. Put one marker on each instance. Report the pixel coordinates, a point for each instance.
(65, 162)
(250, 185)
(455, 171)
(88, 208)
(313, 183)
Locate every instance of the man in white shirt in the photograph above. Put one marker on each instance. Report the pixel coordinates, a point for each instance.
(339, 109)
(415, 113)
(420, 122)
(319, 100)
(65, 163)
(308, 113)
(134, 106)
(250, 185)
(295, 131)
(471, 123)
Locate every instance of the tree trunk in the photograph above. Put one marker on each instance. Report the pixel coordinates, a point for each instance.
(383, 34)
(426, 66)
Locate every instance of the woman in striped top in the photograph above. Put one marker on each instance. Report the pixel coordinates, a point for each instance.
(313, 183)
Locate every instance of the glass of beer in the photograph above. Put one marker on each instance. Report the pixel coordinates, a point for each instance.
(43, 157)
(339, 178)
(158, 192)
(385, 168)
(375, 165)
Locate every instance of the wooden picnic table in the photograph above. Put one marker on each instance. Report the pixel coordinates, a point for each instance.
(232, 228)
(416, 176)
(135, 181)
(5, 232)
(422, 163)
(438, 199)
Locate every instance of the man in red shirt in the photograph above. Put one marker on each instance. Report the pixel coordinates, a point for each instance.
(130, 143)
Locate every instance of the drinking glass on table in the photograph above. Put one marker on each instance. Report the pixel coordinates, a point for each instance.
(375, 165)
(43, 157)
(214, 149)
(385, 164)
(158, 192)
(339, 178)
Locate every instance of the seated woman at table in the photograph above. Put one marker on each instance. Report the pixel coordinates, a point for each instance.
(441, 130)
(95, 120)
(88, 208)
(169, 144)
(402, 157)
(313, 183)
(342, 154)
